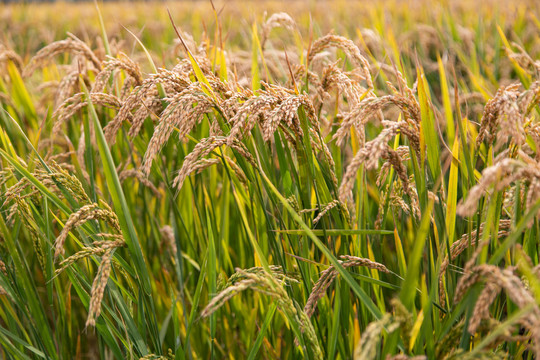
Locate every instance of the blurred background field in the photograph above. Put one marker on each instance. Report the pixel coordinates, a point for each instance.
(27, 28)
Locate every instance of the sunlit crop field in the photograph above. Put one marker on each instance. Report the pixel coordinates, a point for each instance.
(270, 180)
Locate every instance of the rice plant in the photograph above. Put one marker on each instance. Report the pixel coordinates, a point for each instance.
(283, 186)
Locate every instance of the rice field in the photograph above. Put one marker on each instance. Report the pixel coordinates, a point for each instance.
(270, 180)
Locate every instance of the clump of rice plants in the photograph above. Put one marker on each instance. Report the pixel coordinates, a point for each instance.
(291, 192)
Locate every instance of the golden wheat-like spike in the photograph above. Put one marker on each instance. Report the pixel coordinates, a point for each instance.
(481, 309)
(371, 337)
(500, 175)
(3, 269)
(503, 104)
(248, 113)
(275, 20)
(348, 47)
(327, 277)
(266, 283)
(461, 245)
(141, 177)
(145, 97)
(71, 45)
(191, 161)
(98, 288)
(77, 102)
(368, 155)
(515, 289)
(326, 209)
(122, 62)
(10, 55)
(287, 113)
(367, 108)
(99, 248)
(185, 110)
(85, 213)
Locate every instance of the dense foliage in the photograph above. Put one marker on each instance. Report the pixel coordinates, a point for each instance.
(269, 188)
